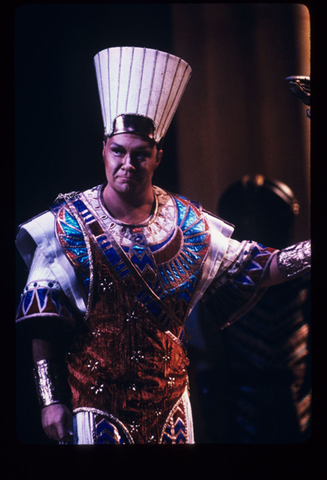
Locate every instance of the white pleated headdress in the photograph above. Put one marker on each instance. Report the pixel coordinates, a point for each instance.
(136, 84)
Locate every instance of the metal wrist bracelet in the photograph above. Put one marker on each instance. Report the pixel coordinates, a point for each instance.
(47, 383)
(295, 260)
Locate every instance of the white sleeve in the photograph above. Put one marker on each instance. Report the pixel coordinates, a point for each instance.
(233, 250)
(220, 232)
(45, 259)
(39, 269)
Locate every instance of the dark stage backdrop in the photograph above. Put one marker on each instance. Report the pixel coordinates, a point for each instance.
(236, 117)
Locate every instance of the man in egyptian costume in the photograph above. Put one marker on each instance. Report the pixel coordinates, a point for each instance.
(115, 270)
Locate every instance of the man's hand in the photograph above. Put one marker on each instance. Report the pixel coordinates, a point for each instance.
(273, 275)
(57, 422)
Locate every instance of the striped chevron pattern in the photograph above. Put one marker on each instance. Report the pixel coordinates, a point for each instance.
(41, 299)
(272, 333)
(268, 351)
(107, 433)
(175, 430)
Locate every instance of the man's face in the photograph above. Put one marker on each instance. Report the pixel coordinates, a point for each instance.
(130, 162)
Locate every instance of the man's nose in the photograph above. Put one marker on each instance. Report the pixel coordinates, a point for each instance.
(128, 163)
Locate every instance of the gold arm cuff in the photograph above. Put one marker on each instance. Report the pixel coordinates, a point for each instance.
(47, 383)
(295, 260)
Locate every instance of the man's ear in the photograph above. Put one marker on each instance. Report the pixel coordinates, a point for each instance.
(159, 157)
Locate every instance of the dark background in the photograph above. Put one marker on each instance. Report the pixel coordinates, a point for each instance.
(58, 142)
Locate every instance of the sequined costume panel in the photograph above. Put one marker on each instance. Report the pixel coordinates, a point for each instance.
(93, 426)
(119, 362)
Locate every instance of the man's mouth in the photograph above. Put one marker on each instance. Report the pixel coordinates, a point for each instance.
(127, 179)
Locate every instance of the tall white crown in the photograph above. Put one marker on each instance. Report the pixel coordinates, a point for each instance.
(140, 81)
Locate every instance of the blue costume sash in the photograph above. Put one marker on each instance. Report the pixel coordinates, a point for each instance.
(81, 227)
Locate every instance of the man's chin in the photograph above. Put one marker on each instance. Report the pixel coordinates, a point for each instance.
(129, 187)
(129, 181)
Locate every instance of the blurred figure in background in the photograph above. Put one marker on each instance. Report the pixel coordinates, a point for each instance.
(269, 391)
(256, 388)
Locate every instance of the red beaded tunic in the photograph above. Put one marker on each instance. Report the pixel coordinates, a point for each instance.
(121, 363)
(128, 358)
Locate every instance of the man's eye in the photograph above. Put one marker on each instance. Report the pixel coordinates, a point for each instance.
(117, 152)
(142, 155)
